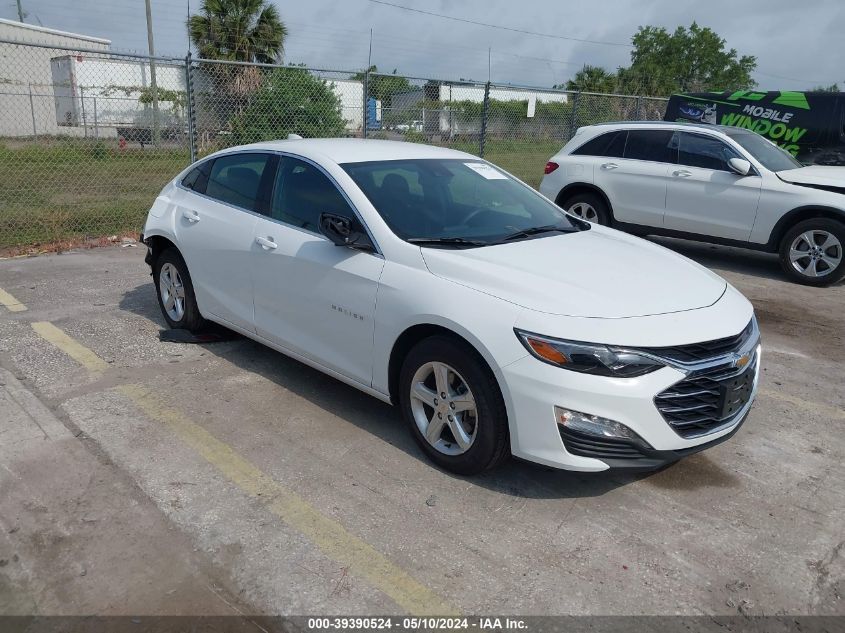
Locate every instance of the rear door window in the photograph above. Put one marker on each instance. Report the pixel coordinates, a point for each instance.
(659, 146)
(610, 145)
(197, 178)
(236, 179)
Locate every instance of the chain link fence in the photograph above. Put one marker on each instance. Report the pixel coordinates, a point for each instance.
(89, 137)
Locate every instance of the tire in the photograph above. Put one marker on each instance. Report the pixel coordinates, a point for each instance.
(170, 272)
(827, 263)
(485, 425)
(588, 206)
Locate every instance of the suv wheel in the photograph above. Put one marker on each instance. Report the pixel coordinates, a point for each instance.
(811, 252)
(589, 207)
(452, 404)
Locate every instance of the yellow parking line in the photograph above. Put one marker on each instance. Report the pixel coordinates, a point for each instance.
(11, 304)
(327, 534)
(78, 352)
(818, 408)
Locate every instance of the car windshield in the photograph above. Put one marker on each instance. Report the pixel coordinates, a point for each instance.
(770, 155)
(456, 202)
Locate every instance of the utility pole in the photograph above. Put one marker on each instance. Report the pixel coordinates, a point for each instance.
(367, 88)
(153, 84)
(20, 12)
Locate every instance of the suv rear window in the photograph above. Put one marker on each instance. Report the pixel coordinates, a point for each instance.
(609, 144)
(653, 145)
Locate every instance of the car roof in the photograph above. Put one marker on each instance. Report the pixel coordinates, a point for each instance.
(672, 125)
(354, 150)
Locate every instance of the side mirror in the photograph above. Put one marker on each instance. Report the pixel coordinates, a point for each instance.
(343, 231)
(739, 166)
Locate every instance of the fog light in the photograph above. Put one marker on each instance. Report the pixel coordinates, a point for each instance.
(594, 425)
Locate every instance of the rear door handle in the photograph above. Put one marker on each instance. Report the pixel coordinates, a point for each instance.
(682, 173)
(191, 216)
(609, 166)
(266, 243)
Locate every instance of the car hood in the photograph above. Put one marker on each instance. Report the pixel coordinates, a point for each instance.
(815, 175)
(599, 273)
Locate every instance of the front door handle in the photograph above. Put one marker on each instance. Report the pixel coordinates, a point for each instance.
(682, 173)
(266, 243)
(609, 166)
(191, 216)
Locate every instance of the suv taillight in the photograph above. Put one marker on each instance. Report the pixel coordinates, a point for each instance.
(550, 167)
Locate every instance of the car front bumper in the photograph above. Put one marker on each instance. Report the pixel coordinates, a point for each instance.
(533, 390)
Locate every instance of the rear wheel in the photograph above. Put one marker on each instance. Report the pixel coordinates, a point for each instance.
(176, 292)
(453, 406)
(589, 207)
(811, 252)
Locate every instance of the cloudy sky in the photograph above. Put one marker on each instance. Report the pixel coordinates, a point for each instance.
(798, 43)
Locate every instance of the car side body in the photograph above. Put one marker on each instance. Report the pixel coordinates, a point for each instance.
(659, 189)
(356, 313)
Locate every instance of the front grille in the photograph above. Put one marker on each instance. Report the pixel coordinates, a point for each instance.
(703, 351)
(707, 399)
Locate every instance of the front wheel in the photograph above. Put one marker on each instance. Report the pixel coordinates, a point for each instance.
(589, 207)
(811, 252)
(176, 292)
(453, 406)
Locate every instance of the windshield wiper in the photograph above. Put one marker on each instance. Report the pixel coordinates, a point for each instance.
(536, 230)
(446, 241)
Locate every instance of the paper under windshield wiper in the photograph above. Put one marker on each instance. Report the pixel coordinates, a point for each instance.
(536, 230)
(446, 241)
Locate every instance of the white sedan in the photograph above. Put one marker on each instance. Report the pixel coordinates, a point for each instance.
(431, 279)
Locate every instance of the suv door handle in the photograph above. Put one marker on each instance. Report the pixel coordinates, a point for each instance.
(682, 173)
(191, 216)
(609, 166)
(266, 243)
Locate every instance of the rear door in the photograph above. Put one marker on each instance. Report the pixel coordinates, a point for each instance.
(705, 196)
(215, 222)
(636, 183)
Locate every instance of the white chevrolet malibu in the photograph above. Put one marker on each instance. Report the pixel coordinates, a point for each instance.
(433, 280)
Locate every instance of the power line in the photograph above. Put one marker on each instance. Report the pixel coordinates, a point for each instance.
(499, 26)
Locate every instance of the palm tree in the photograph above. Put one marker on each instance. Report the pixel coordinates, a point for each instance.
(238, 30)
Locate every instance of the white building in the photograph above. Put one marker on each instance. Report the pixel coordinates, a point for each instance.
(27, 103)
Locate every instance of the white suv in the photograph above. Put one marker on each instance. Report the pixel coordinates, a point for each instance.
(709, 183)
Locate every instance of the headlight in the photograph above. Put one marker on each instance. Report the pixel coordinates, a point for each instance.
(588, 358)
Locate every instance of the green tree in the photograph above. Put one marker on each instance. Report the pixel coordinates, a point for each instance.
(687, 60)
(290, 101)
(592, 79)
(383, 87)
(830, 88)
(238, 30)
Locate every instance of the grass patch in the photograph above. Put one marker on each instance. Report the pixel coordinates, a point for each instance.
(78, 189)
(73, 189)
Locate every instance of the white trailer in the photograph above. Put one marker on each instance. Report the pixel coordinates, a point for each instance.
(116, 93)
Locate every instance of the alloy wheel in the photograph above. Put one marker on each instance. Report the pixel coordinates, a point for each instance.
(444, 408)
(815, 253)
(172, 291)
(585, 211)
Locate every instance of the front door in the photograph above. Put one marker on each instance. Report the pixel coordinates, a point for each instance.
(705, 196)
(312, 297)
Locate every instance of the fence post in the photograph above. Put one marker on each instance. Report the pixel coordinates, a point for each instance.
(573, 121)
(364, 119)
(96, 124)
(32, 111)
(189, 105)
(485, 112)
(82, 101)
(640, 108)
